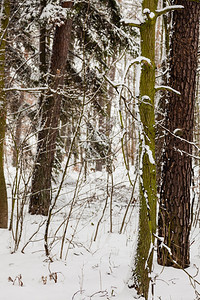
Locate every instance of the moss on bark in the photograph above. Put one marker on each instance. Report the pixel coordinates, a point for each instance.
(147, 215)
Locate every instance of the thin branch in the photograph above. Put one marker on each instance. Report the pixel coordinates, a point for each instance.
(166, 88)
(167, 9)
(180, 138)
(130, 201)
(103, 212)
(36, 89)
(171, 258)
(131, 22)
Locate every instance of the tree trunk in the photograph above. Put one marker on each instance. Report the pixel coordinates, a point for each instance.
(43, 52)
(18, 129)
(50, 116)
(147, 214)
(161, 106)
(174, 214)
(5, 9)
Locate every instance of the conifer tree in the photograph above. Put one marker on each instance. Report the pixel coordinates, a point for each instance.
(50, 115)
(95, 30)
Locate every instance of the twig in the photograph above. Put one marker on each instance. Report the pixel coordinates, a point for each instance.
(103, 212)
(177, 264)
(130, 201)
(30, 239)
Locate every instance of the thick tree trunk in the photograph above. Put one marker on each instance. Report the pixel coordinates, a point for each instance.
(147, 214)
(5, 9)
(174, 213)
(50, 116)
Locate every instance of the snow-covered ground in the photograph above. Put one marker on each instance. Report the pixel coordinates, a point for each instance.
(88, 269)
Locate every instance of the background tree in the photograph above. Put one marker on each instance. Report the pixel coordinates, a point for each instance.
(4, 19)
(107, 37)
(22, 69)
(175, 209)
(50, 115)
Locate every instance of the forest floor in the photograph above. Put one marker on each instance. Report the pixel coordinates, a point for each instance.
(84, 269)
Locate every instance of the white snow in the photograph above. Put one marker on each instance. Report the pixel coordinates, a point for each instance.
(146, 11)
(137, 80)
(53, 14)
(150, 154)
(177, 130)
(88, 270)
(151, 15)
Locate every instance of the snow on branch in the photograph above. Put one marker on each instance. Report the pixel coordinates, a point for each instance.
(137, 60)
(54, 14)
(163, 245)
(36, 89)
(167, 88)
(151, 15)
(166, 9)
(180, 138)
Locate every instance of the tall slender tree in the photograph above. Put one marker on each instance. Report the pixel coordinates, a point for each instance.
(4, 19)
(147, 166)
(147, 215)
(50, 115)
(175, 210)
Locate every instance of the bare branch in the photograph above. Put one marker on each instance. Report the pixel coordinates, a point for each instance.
(36, 89)
(167, 88)
(167, 9)
(131, 22)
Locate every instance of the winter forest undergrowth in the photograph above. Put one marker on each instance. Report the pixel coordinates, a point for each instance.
(99, 149)
(88, 269)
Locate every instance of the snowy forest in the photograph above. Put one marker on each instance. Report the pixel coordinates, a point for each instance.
(99, 149)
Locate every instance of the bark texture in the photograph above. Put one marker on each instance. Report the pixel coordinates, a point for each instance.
(50, 115)
(3, 33)
(174, 213)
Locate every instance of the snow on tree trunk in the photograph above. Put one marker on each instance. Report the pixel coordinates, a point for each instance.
(147, 214)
